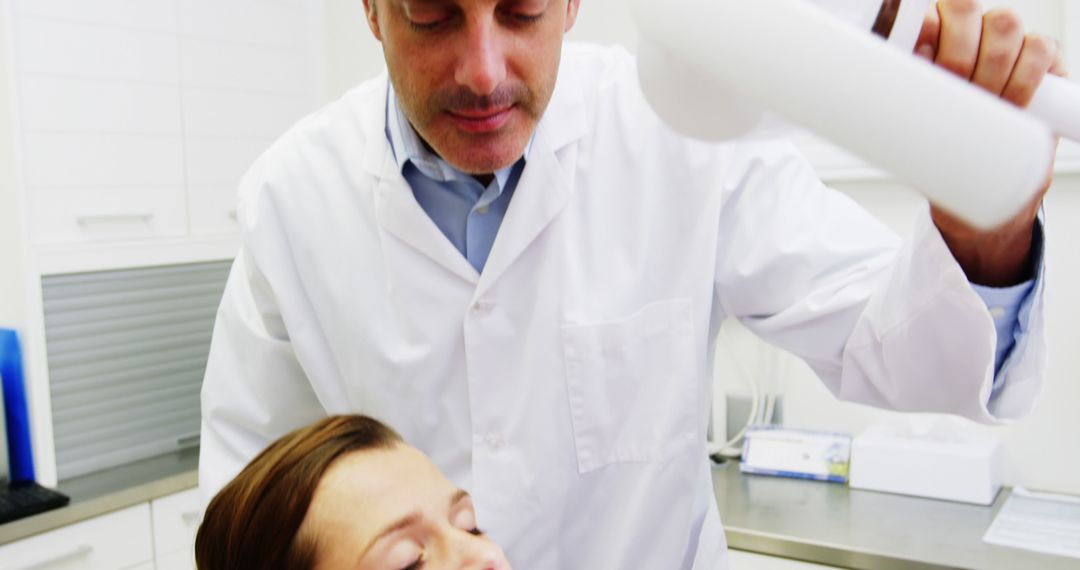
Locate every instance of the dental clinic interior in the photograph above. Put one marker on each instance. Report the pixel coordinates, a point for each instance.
(126, 127)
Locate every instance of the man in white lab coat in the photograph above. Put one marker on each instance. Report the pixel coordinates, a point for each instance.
(500, 251)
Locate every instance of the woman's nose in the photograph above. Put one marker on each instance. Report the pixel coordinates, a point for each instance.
(479, 553)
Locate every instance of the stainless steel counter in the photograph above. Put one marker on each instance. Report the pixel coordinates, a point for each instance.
(110, 490)
(832, 524)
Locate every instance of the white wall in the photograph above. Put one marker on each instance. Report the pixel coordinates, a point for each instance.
(352, 53)
(605, 22)
(1039, 446)
(12, 291)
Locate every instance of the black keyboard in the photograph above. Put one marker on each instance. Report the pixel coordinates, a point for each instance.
(21, 500)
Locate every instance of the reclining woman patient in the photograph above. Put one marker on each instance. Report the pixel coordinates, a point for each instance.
(344, 492)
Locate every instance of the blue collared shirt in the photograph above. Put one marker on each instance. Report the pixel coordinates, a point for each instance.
(469, 214)
(1010, 307)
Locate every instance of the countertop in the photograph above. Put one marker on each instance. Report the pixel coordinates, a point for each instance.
(114, 489)
(833, 524)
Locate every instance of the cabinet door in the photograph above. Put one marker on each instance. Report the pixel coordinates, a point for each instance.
(100, 120)
(176, 518)
(248, 70)
(119, 539)
(181, 560)
(742, 560)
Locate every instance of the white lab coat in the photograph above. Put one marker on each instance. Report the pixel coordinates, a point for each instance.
(568, 386)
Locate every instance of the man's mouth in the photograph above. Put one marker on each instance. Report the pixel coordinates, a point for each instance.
(480, 121)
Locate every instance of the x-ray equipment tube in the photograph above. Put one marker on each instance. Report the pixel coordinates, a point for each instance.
(716, 69)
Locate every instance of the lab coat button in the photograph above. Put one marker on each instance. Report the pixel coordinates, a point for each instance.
(494, 442)
(482, 307)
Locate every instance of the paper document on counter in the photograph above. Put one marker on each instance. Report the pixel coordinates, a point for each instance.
(1038, 521)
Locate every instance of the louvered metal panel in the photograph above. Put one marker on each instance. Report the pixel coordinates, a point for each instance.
(127, 350)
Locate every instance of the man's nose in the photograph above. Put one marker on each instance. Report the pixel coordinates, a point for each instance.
(482, 63)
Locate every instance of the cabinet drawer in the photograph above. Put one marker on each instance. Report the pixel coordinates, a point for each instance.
(90, 215)
(180, 560)
(741, 560)
(213, 210)
(176, 518)
(116, 540)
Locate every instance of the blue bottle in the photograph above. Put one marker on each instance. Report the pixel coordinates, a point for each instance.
(17, 416)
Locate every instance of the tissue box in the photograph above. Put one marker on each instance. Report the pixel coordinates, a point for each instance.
(956, 467)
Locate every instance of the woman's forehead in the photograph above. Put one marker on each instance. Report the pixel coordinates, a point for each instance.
(381, 483)
(367, 491)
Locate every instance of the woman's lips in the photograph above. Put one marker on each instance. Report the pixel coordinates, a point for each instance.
(480, 122)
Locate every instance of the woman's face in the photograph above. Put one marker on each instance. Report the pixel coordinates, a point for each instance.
(394, 510)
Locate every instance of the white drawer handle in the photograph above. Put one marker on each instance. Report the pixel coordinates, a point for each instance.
(233, 215)
(76, 553)
(190, 518)
(114, 218)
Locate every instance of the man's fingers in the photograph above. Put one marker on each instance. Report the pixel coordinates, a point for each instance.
(1002, 40)
(1039, 56)
(989, 49)
(927, 44)
(961, 32)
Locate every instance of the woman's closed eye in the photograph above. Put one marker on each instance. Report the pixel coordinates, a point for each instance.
(418, 564)
(464, 517)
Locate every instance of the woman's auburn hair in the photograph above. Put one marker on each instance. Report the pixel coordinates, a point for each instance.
(254, 521)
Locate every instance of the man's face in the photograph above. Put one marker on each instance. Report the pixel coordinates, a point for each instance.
(473, 76)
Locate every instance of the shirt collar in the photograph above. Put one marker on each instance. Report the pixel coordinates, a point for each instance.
(407, 147)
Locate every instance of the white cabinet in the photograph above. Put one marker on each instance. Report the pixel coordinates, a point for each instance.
(156, 535)
(118, 540)
(176, 518)
(742, 560)
(135, 123)
(159, 535)
(181, 560)
(100, 121)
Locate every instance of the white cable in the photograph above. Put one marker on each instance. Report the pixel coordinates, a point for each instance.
(771, 383)
(727, 449)
(766, 381)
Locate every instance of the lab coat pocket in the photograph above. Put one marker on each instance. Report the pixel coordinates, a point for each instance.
(631, 385)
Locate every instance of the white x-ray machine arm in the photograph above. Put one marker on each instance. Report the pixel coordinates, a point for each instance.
(711, 68)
